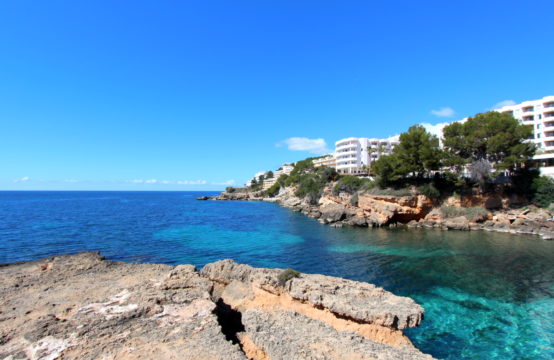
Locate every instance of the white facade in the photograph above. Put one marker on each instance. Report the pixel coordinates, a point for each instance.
(256, 177)
(352, 155)
(540, 115)
(328, 160)
(284, 170)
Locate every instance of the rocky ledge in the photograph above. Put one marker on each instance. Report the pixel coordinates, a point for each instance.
(84, 307)
(366, 210)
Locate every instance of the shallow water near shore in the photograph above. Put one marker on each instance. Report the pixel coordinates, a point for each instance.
(486, 295)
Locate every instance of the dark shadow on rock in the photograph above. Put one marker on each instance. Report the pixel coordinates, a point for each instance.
(230, 321)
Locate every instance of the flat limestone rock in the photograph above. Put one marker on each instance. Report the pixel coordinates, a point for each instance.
(289, 335)
(82, 307)
(355, 300)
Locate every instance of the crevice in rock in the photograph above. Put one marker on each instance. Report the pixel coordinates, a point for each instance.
(394, 325)
(230, 321)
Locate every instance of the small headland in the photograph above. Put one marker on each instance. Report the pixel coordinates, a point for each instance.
(388, 208)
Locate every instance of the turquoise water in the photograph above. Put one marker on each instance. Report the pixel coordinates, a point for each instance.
(486, 295)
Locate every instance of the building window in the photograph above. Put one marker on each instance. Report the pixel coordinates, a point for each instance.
(538, 126)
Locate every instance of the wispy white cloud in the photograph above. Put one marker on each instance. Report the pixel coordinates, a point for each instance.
(179, 182)
(23, 179)
(226, 183)
(192, 182)
(71, 181)
(443, 112)
(435, 129)
(502, 103)
(314, 146)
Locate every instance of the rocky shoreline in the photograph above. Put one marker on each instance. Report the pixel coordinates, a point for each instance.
(416, 211)
(84, 307)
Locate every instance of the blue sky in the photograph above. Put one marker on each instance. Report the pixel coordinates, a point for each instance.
(195, 95)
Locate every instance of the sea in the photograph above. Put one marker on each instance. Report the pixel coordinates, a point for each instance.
(486, 295)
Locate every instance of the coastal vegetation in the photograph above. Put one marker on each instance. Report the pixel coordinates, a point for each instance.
(543, 191)
(483, 147)
(351, 184)
(474, 213)
(487, 153)
(286, 275)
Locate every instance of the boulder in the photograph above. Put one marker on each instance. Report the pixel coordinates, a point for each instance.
(333, 212)
(357, 221)
(382, 210)
(457, 223)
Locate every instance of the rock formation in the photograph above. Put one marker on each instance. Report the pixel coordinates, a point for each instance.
(83, 307)
(414, 211)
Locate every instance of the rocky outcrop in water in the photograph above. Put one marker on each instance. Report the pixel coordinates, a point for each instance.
(83, 307)
(239, 195)
(414, 211)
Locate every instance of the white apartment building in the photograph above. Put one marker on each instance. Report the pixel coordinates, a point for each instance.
(328, 160)
(283, 170)
(256, 177)
(353, 155)
(540, 115)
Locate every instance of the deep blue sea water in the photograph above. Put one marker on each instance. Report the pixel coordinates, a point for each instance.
(486, 295)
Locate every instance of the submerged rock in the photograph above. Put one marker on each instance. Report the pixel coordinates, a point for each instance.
(84, 307)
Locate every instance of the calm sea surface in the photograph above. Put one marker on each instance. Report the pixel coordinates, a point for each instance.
(486, 295)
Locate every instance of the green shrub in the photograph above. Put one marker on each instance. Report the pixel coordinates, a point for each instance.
(430, 191)
(231, 189)
(286, 275)
(310, 184)
(523, 182)
(349, 184)
(470, 213)
(274, 189)
(376, 190)
(354, 200)
(327, 174)
(543, 188)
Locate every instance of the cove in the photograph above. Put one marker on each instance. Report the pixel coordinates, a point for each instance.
(486, 295)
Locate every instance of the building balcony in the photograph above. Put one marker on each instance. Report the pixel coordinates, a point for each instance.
(345, 142)
(347, 147)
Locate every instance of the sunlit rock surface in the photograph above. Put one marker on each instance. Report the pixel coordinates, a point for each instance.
(83, 307)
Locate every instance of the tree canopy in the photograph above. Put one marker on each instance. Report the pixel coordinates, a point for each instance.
(494, 137)
(416, 155)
